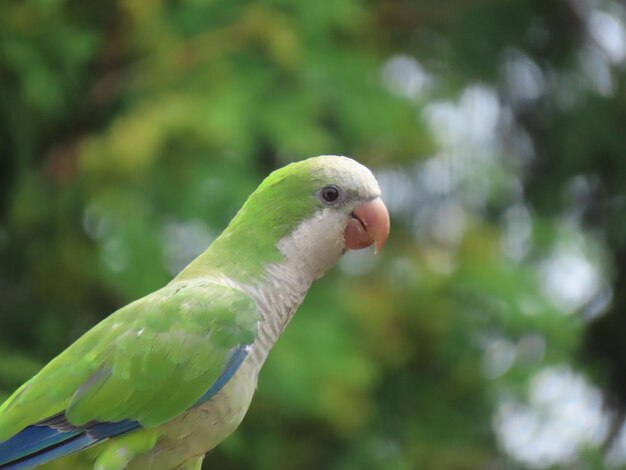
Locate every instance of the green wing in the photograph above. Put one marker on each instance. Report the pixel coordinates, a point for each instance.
(147, 362)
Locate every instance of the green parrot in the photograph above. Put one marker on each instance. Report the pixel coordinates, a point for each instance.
(165, 379)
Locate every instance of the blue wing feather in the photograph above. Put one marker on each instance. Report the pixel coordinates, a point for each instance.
(236, 359)
(70, 445)
(31, 440)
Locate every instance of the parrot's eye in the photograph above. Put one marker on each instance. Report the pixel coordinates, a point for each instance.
(330, 193)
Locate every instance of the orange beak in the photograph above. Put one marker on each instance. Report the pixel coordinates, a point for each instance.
(369, 224)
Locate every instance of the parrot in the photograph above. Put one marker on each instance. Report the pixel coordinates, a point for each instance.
(162, 381)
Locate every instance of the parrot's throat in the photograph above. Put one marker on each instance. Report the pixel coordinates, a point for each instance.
(277, 300)
(308, 252)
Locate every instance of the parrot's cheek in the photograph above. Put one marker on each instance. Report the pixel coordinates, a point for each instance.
(369, 224)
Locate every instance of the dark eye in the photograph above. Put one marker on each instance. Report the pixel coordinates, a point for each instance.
(330, 193)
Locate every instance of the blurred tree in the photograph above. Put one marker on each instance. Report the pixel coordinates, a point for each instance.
(131, 131)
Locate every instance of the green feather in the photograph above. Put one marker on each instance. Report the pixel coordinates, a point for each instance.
(173, 343)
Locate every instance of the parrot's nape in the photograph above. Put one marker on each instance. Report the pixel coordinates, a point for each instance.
(165, 379)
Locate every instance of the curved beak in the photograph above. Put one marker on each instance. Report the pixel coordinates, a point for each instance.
(369, 224)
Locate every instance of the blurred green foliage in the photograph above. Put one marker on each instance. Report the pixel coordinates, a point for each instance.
(131, 131)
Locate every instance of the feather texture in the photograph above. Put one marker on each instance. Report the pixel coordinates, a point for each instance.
(139, 355)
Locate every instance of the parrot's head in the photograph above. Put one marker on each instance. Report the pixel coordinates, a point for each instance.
(348, 192)
(321, 207)
(302, 217)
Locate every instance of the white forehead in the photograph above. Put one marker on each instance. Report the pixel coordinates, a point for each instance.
(350, 174)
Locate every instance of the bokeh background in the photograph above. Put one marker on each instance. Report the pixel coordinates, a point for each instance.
(488, 334)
